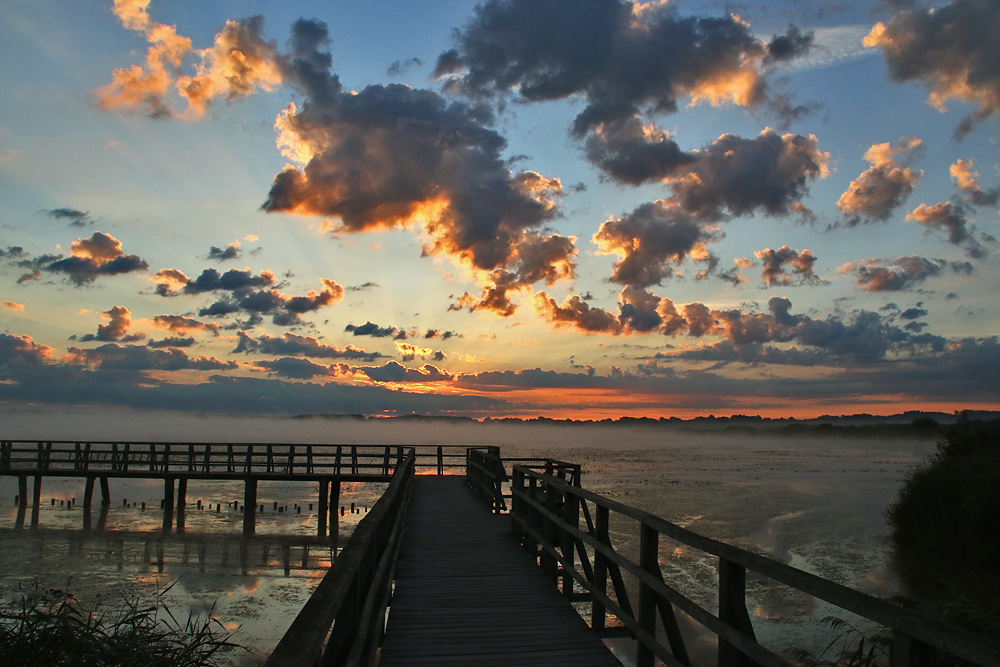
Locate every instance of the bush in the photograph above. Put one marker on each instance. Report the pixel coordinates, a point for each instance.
(52, 627)
(944, 528)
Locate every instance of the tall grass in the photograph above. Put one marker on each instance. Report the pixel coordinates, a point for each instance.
(52, 627)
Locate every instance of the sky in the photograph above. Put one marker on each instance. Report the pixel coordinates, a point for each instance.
(512, 208)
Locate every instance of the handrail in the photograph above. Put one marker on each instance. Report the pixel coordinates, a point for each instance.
(218, 460)
(545, 515)
(349, 603)
(485, 473)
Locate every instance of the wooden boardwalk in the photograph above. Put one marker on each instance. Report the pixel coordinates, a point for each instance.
(467, 594)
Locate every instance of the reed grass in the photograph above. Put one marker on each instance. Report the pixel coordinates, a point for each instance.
(53, 627)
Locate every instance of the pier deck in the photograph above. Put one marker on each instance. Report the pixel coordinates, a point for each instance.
(466, 593)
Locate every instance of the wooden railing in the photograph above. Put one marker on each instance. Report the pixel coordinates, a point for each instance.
(486, 475)
(343, 621)
(219, 460)
(546, 517)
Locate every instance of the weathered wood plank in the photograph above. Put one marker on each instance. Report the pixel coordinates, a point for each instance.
(467, 594)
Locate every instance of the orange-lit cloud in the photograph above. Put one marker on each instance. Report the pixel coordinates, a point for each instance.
(877, 192)
(951, 49)
(119, 321)
(182, 325)
(92, 257)
(239, 63)
(777, 262)
(12, 306)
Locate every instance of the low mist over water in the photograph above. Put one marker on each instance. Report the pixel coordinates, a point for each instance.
(816, 503)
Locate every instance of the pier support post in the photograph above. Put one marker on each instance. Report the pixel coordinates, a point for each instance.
(168, 503)
(250, 506)
(22, 500)
(334, 514)
(733, 611)
(36, 501)
(322, 510)
(105, 492)
(182, 485)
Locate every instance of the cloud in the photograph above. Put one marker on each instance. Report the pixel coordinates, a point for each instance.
(877, 192)
(575, 312)
(295, 369)
(210, 280)
(10, 305)
(184, 325)
(239, 63)
(139, 358)
(650, 241)
(299, 346)
(800, 264)
(76, 217)
(965, 178)
(391, 156)
(22, 351)
(902, 273)
(285, 310)
(231, 251)
(951, 49)
(633, 153)
(119, 321)
(620, 57)
(737, 176)
(99, 255)
(172, 341)
(396, 372)
(949, 217)
(410, 352)
(370, 329)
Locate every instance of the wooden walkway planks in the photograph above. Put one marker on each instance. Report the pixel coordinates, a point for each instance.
(467, 594)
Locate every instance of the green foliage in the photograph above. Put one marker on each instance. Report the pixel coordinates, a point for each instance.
(944, 529)
(52, 627)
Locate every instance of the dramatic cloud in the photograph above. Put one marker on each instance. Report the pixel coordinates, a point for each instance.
(650, 241)
(119, 321)
(299, 346)
(99, 255)
(410, 352)
(283, 309)
(734, 176)
(877, 192)
(630, 152)
(295, 369)
(785, 266)
(210, 280)
(621, 57)
(76, 217)
(951, 49)
(577, 313)
(949, 217)
(392, 156)
(238, 64)
(22, 351)
(395, 372)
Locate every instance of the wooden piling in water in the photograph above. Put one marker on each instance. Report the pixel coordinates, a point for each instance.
(182, 484)
(36, 501)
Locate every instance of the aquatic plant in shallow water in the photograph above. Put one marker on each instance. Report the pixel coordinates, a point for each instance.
(52, 627)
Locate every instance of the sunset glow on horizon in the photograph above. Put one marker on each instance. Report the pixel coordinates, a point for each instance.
(510, 208)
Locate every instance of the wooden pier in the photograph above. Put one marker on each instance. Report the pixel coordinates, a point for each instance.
(466, 594)
(432, 575)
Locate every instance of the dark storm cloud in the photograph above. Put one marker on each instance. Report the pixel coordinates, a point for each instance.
(119, 321)
(622, 58)
(880, 190)
(951, 49)
(785, 266)
(231, 251)
(300, 346)
(389, 155)
(75, 217)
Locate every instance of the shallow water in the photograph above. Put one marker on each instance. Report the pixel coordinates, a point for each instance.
(815, 503)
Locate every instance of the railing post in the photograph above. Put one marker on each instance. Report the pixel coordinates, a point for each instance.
(571, 514)
(733, 611)
(440, 459)
(907, 651)
(649, 559)
(549, 565)
(598, 612)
